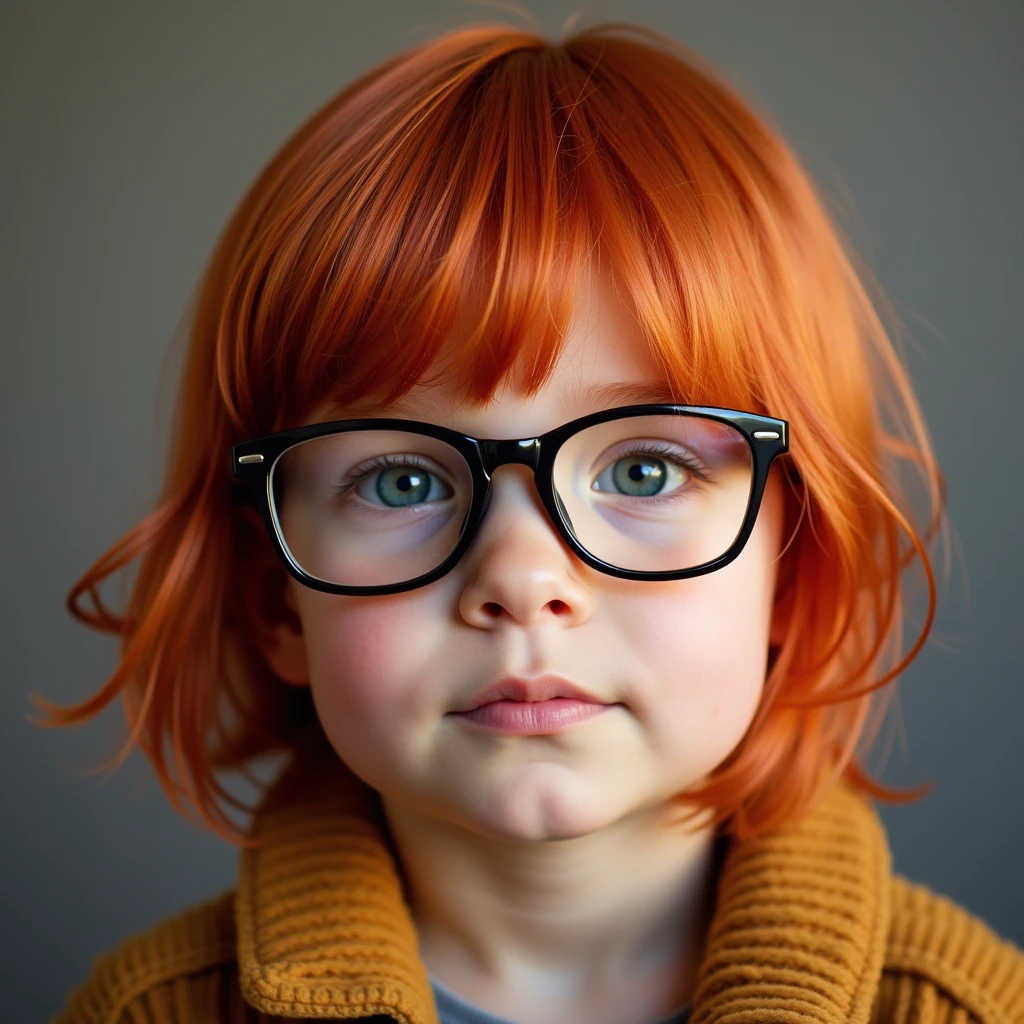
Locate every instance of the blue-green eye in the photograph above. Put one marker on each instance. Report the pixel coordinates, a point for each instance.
(399, 486)
(640, 476)
(403, 486)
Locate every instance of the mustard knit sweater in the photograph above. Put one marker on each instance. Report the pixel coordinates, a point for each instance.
(809, 926)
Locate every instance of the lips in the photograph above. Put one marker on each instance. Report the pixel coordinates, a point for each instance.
(537, 688)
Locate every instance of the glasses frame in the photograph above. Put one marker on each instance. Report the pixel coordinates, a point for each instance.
(253, 462)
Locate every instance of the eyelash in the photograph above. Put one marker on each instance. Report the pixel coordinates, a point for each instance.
(688, 462)
(360, 473)
(382, 462)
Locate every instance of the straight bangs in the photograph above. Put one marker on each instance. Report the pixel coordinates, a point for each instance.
(472, 189)
(435, 221)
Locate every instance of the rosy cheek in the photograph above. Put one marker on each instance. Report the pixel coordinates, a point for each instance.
(703, 647)
(359, 647)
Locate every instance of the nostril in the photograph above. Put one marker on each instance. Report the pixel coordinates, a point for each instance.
(493, 609)
(558, 607)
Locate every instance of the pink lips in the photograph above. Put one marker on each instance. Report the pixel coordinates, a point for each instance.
(541, 716)
(543, 704)
(536, 689)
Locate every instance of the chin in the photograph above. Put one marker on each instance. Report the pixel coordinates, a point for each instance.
(544, 814)
(537, 832)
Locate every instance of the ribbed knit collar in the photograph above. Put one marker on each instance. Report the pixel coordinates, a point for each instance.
(324, 929)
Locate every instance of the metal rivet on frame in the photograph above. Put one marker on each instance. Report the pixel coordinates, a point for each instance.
(245, 460)
(769, 434)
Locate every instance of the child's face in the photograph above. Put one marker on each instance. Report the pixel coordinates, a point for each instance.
(683, 662)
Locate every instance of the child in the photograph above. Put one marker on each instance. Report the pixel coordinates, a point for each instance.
(534, 490)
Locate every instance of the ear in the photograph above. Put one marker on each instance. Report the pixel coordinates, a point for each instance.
(269, 602)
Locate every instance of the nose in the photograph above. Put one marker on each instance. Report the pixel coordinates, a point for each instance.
(518, 569)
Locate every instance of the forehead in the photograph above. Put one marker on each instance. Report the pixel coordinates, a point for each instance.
(606, 362)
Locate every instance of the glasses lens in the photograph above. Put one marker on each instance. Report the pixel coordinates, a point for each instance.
(657, 493)
(369, 508)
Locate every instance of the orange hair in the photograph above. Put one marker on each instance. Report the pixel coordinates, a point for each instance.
(492, 160)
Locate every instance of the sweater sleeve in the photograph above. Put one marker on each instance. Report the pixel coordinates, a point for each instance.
(160, 975)
(944, 964)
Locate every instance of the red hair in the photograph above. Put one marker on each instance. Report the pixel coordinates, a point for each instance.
(492, 160)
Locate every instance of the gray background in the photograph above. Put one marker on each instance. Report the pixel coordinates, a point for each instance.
(130, 132)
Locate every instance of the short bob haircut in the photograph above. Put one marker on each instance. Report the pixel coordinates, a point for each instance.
(493, 161)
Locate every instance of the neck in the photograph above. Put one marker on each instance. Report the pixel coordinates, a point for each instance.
(560, 921)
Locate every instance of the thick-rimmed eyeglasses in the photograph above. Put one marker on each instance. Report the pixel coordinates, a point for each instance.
(381, 506)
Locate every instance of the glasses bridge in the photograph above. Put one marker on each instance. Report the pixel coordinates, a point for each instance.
(525, 452)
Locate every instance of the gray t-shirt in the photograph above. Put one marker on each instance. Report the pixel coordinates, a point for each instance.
(452, 1009)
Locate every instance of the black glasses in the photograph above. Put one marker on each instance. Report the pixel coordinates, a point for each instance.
(380, 506)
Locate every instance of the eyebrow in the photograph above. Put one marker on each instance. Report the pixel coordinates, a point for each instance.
(622, 393)
(577, 401)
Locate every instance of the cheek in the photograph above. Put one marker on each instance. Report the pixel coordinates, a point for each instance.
(364, 653)
(702, 647)
(706, 642)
